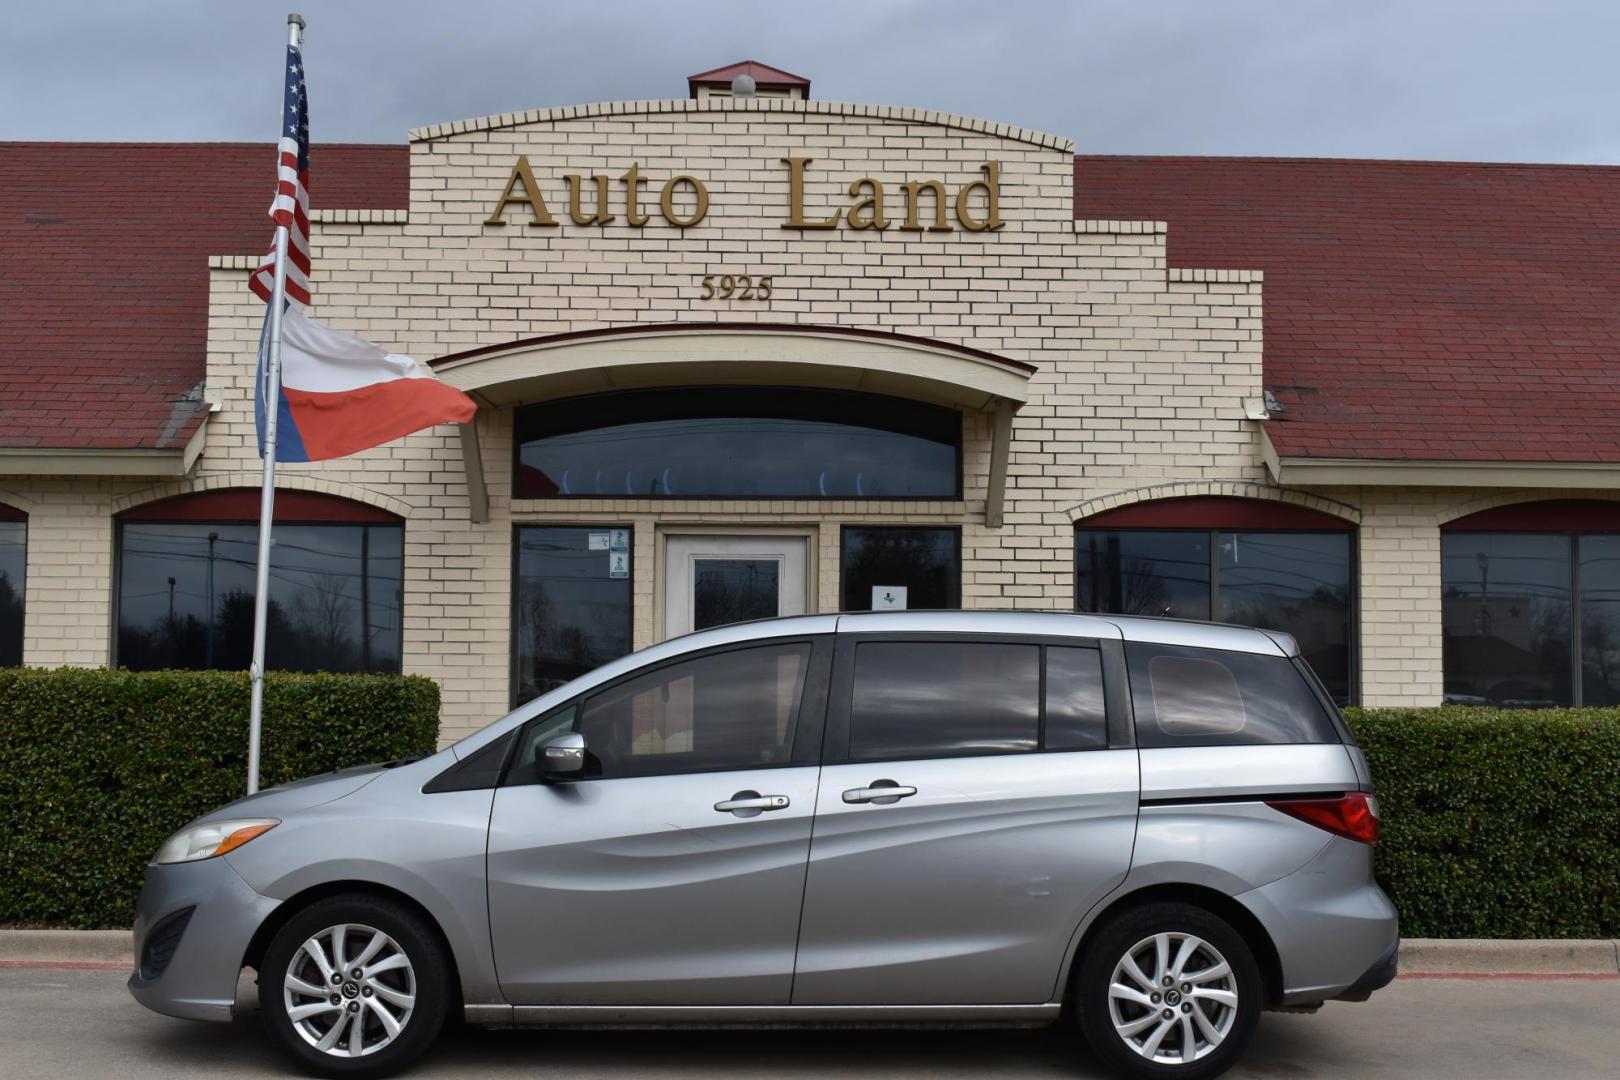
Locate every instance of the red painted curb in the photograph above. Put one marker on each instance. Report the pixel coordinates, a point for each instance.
(1527, 976)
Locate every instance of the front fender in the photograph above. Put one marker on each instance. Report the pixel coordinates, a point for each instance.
(430, 848)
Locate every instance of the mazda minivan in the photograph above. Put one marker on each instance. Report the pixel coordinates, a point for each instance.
(1150, 831)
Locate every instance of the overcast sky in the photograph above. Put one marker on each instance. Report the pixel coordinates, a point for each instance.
(1511, 80)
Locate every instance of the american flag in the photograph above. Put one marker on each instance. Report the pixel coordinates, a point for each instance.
(291, 204)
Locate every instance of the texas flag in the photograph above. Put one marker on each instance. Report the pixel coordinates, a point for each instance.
(339, 394)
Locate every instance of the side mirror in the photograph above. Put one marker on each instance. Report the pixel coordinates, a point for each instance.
(562, 755)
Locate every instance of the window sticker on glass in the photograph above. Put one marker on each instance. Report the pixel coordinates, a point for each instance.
(618, 564)
(888, 598)
(618, 539)
(598, 541)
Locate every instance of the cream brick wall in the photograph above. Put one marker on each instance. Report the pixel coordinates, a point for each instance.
(1141, 371)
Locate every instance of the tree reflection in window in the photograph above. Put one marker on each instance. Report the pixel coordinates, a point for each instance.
(185, 596)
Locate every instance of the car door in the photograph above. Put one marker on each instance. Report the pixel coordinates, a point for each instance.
(973, 806)
(672, 871)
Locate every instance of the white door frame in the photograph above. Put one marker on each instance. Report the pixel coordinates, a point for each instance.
(793, 547)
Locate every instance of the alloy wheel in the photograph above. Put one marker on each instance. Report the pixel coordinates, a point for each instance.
(1173, 998)
(349, 990)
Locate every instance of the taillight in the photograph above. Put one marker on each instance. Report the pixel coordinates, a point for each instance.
(1353, 815)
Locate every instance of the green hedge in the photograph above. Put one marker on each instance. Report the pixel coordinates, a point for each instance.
(1498, 823)
(98, 767)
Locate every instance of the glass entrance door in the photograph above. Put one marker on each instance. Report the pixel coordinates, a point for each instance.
(720, 579)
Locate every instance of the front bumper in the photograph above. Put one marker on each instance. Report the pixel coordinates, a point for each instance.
(199, 980)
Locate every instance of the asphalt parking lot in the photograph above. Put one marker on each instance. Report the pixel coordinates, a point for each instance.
(58, 1023)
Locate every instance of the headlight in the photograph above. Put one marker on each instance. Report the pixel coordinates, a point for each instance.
(214, 838)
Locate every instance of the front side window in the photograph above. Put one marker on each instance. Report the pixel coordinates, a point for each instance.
(1299, 582)
(13, 567)
(186, 596)
(1206, 697)
(723, 711)
(570, 605)
(739, 443)
(919, 699)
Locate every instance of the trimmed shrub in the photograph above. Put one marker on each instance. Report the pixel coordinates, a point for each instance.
(98, 767)
(1498, 823)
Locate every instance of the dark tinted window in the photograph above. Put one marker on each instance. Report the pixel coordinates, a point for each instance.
(1506, 617)
(13, 563)
(731, 710)
(734, 590)
(941, 698)
(570, 613)
(1076, 717)
(1143, 572)
(474, 773)
(185, 596)
(1600, 619)
(926, 562)
(1205, 697)
(726, 441)
(1296, 582)
(1299, 582)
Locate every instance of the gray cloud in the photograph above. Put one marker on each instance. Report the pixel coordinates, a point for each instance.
(1482, 79)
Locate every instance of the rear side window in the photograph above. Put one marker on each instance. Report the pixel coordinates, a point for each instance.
(919, 699)
(1207, 697)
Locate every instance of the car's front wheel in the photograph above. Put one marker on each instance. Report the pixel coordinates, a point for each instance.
(354, 986)
(1168, 990)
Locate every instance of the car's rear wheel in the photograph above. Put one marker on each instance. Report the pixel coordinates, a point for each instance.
(1168, 990)
(354, 986)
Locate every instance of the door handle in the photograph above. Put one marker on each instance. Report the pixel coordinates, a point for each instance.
(882, 793)
(752, 804)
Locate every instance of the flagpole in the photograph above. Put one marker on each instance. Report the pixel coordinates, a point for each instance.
(267, 491)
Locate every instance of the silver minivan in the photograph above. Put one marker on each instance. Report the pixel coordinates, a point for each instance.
(1149, 829)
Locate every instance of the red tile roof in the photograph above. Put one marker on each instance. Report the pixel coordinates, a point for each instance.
(104, 275)
(764, 76)
(1413, 310)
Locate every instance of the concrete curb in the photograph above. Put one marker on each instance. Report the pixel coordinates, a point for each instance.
(67, 947)
(1419, 956)
(1484, 956)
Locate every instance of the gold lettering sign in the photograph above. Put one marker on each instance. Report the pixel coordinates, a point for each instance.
(927, 205)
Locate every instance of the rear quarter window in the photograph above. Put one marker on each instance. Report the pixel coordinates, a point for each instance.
(1207, 697)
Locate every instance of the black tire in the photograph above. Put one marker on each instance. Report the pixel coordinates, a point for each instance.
(429, 976)
(1121, 935)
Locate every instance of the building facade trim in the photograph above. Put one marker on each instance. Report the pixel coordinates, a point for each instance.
(1229, 488)
(74, 461)
(1455, 512)
(897, 113)
(288, 481)
(694, 354)
(20, 503)
(1408, 472)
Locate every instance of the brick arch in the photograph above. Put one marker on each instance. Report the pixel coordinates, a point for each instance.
(15, 502)
(290, 482)
(1234, 489)
(1508, 498)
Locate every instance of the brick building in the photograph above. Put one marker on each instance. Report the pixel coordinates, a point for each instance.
(740, 356)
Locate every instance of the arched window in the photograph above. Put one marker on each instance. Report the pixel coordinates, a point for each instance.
(1249, 561)
(1530, 604)
(738, 442)
(186, 583)
(13, 570)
